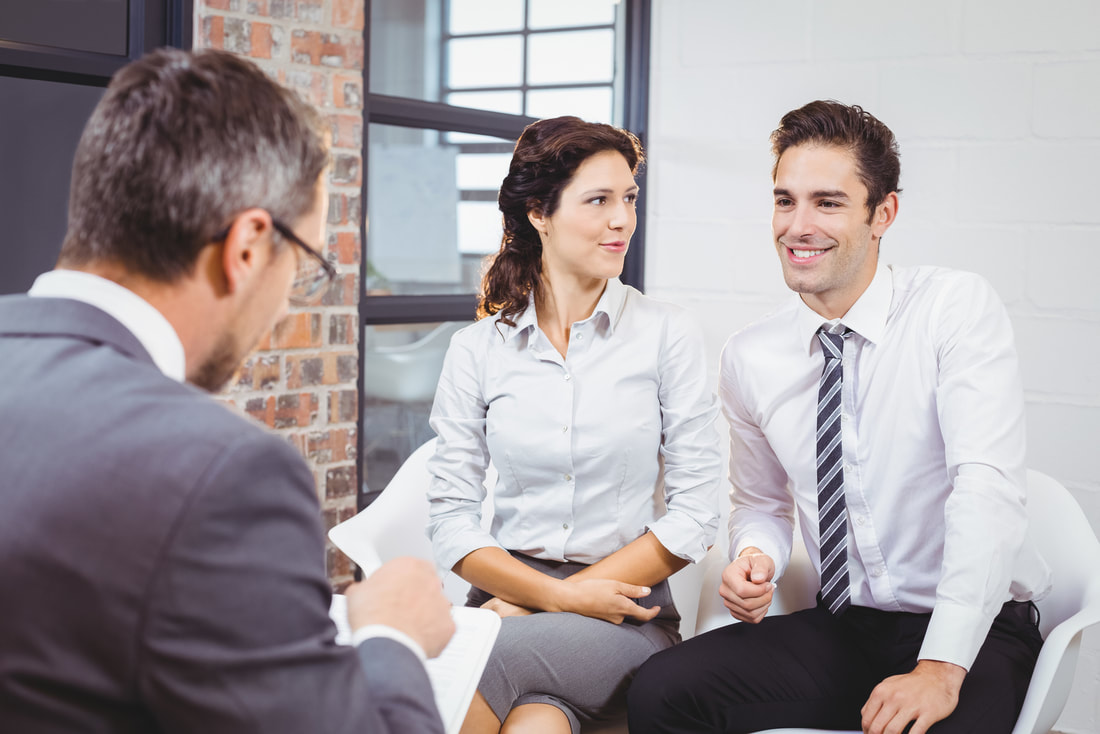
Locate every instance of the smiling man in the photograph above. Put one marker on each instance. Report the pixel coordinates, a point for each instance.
(883, 405)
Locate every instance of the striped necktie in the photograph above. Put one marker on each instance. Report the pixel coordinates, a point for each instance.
(832, 514)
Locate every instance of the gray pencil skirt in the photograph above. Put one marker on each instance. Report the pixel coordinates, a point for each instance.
(581, 665)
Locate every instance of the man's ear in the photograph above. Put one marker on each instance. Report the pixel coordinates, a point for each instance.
(885, 214)
(246, 247)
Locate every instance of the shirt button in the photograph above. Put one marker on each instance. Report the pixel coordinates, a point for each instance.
(565, 526)
(877, 571)
(844, 417)
(580, 336)
(568, 376)
(564, 429)
(849, 467)
(568, 477)
(860, 520)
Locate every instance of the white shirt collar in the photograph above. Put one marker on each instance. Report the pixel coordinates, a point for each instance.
(146, 323)
(866, 317)
(610, 305)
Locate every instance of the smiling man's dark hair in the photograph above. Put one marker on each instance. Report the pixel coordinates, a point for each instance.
(851, 127)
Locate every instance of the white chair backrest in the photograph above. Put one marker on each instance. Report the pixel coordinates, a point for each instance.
(1063, 535)
(396, 522)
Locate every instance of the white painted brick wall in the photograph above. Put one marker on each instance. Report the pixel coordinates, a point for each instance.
(996, 104)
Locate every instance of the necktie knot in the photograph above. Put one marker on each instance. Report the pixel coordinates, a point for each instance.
(832, 345)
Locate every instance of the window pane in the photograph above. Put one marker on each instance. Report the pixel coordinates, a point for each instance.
(453, 137)
(412, 52)
(588, 103)
(482, 170)
(401, 366)
(508, 102)
(100, 27)
(405, 51)
(480, 16)
(557, 13)
(413, 212)
(485, 62)
(479, 228)
(570, 57)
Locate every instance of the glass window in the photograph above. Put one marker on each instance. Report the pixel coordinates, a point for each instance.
(405, 49)
(479, 232)
(493, 61)
(563, 13)
(492, 54)
(481, 16)
(424, 235)
(99, 27)
(401, 366)
(591, 104)
(573, 57)
(508, 102)
(482, 170)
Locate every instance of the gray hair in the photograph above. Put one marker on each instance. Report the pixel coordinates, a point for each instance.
(179, 145)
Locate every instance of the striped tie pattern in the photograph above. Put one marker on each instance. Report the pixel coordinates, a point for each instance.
(832, 514)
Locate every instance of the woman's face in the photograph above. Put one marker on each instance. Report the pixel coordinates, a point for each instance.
(588, 236)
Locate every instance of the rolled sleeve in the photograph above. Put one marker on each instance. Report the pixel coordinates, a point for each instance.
(689, 443)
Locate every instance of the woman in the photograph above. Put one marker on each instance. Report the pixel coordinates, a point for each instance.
(584, 393)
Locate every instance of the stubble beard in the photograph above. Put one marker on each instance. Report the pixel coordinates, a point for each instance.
(221, 366)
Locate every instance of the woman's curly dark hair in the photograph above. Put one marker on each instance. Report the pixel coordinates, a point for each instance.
(546, 156)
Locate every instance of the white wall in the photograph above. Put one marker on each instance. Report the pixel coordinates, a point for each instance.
(996, 106)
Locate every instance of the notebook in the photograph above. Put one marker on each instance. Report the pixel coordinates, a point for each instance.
(455, 673)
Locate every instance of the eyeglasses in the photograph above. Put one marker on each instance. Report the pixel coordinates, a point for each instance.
(315, 274)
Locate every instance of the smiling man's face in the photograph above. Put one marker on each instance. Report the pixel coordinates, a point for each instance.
(826, 243)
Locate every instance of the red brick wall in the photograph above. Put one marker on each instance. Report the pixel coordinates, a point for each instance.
(301, 381)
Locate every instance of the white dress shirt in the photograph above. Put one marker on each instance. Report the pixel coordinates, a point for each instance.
(578, 443)
(146, 323)
(932, 435)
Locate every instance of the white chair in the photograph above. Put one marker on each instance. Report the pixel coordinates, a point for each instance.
(395, 524)
(1065, 538)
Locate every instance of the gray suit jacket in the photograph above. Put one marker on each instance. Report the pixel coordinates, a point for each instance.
(161, 558)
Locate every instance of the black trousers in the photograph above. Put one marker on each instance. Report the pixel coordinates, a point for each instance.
(811, 669)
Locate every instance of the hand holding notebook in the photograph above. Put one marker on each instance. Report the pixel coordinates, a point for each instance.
(455, 673)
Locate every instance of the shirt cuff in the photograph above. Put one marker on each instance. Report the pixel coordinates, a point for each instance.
(683, 536)
(371, 631)
(769, 548)
(955, 634)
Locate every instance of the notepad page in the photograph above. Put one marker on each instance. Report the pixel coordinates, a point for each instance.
(455, 673)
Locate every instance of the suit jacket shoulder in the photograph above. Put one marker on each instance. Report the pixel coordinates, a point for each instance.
(161, 557)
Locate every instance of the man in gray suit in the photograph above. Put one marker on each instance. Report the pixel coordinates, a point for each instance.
(161, 558)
